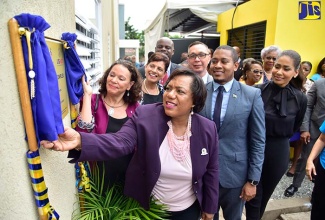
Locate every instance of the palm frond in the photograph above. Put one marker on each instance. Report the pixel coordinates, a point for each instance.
(112, 204)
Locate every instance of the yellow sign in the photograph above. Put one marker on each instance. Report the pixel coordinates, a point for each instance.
(56, 51)
(309, 10)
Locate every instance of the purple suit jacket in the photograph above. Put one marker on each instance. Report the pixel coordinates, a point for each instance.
(143, 135)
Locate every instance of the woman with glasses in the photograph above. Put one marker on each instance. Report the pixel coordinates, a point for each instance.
(252, 72)
(155, 70)
(269, 56)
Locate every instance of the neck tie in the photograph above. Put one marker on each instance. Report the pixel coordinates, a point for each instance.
(217, 107)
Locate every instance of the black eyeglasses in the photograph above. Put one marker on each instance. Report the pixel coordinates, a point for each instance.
(271, 58)
(257, 71)
(193, 56)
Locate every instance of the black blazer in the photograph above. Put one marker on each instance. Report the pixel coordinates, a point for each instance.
(239, 72)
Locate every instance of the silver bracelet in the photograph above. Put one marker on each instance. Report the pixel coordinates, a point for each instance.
(86, 125)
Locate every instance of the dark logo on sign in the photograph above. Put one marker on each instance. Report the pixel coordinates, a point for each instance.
(309, 10)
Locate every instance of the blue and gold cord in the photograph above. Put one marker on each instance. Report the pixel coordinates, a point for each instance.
(39, 186)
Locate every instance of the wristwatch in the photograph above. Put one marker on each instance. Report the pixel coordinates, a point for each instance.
(253, 182)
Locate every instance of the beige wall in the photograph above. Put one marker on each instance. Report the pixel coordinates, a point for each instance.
(110, 37)
(283, 27)
(16, 198)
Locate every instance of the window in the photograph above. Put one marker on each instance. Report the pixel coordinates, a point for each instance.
(250, 39)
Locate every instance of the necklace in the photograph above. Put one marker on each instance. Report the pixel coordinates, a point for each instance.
(145, 87)
(179, 145)
(111, 109)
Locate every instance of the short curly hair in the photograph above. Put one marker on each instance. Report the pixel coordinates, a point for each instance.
(270, 49)
(199, 92)
(134, 94)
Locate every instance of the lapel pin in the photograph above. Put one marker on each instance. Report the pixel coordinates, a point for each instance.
(204, 152)
(234, 96)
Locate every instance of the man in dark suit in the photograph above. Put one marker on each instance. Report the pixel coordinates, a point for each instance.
(239, 72)
(241, 132)
(164, 45)
(309, 131)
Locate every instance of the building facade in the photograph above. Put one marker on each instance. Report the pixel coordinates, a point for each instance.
(100, 47)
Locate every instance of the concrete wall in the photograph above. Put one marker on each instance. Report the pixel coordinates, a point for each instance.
(16, 195)
(110, 32)
(283, 27)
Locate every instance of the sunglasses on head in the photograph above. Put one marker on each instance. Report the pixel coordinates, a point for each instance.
(271, 58)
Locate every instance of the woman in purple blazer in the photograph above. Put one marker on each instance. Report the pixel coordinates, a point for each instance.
(175, 150)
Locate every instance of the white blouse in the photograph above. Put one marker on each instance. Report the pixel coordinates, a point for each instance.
(174, 185)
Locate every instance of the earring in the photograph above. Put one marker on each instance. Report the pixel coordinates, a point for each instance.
(192, 110)
(128, 93)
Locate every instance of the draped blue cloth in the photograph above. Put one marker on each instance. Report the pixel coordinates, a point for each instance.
(73, 68)
(46, 105)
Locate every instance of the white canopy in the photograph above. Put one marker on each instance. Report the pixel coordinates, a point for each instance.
(205, 9)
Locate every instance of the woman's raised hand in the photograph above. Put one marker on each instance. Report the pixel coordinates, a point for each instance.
(68, 140)
(86, 87)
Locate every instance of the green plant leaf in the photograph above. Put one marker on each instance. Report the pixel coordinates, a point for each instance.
(112, 204)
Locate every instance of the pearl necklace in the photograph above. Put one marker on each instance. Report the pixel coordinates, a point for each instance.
(111, 109)
(179, 146)
(145, 87)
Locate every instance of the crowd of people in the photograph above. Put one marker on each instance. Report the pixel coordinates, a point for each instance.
(204, 134)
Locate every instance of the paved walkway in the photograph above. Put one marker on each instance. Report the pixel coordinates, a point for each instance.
(285, 209)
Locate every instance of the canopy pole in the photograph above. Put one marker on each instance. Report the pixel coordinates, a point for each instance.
(17, 51)
(25, 103)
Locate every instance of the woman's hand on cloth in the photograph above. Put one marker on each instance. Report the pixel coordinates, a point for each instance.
(68, 140)
(86, 87)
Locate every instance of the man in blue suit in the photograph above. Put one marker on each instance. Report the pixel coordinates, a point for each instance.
(241, 132)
